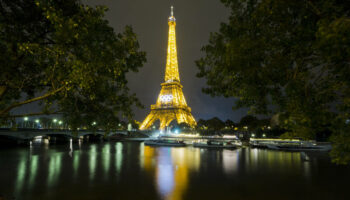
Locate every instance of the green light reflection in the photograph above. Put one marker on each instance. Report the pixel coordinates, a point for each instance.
(54, 169)
(119, 156)
(142, 153)
(92, 163)
(76, 158)
(21, 174)
(106, 157)
(33, 169)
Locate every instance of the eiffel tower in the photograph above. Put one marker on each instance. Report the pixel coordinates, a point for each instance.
(171, 103)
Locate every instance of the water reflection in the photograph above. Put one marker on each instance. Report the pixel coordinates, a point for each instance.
(92, 161)
(33, 169)
(230, 160)
(21, 172)
(106, 157)
(119, 157)
(172, 170)
(255, 159)
(54, 168)
(165, 172)
(76, 161)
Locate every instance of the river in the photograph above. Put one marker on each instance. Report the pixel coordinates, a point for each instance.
(131, 170)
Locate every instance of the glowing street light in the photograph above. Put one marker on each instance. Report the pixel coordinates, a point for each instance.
(25, 118)
(264, 135)
(54, 120)
(253, 135)
(37, 121)
(60, 122)
(94, 123)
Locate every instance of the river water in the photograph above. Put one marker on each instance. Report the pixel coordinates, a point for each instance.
(131, 170)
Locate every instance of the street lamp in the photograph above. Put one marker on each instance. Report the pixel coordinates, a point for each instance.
(93, 123)
(25, 122)
(60, 123)
(54, 121)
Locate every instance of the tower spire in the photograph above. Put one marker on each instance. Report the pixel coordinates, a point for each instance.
(171, 68)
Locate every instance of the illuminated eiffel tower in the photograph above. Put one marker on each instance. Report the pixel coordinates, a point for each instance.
(171, 103)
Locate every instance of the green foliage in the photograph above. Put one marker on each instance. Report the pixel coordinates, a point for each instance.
(65, 55)
(293, 55)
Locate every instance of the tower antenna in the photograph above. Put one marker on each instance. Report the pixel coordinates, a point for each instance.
(172, 11)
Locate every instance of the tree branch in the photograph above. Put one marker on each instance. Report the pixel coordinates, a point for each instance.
(2, 90)
(6, 110)
(34, 114)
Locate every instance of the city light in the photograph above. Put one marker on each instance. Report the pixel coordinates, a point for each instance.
(54, 120)
(94, 123)
(60, 122)
(37, 121)
(25, 118)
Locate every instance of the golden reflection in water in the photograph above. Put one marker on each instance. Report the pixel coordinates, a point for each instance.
(266, 158)
(54, 168)
(148, 156)
(173, 168)
(119, 157)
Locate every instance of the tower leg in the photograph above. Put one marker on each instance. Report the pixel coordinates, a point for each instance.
(148, 121)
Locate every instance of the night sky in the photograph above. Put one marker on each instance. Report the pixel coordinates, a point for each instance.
(195, 20)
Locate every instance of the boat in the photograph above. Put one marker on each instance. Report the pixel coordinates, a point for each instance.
(300, 146)
(218, 144)
(175, 143)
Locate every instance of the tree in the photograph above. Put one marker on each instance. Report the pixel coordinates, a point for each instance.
(229, 124)
(293, 55)
(249, 121)
(64, 55)
(215, 124)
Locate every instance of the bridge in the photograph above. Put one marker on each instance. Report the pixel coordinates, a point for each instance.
(26, 134)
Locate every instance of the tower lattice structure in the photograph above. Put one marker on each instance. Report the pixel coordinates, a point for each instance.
(171, 103)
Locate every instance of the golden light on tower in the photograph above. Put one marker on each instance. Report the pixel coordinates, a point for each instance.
(171, 103)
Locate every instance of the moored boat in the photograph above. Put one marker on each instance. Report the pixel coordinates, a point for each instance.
(175, 143)
(217, 144)
(299, 146)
